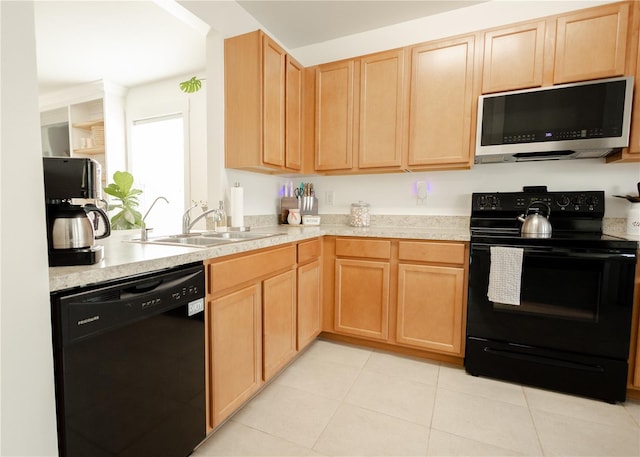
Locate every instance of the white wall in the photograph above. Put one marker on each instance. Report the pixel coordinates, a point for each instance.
(27, 401)
(449, 192)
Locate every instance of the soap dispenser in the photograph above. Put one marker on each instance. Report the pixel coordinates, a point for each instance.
(222, 225)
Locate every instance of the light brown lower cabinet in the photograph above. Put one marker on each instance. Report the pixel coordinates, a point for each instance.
(235, 350)
(261, 308)
(430, 302)
(362, 298)
(403, 295)
(279, 322)
(251, 318)
(309, 302)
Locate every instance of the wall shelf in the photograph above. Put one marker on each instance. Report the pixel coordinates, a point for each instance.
(87, 125)
(90, 151)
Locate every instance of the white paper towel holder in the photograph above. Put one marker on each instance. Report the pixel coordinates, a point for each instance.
(242, 228)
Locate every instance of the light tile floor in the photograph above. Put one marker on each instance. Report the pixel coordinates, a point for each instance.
(341, 400)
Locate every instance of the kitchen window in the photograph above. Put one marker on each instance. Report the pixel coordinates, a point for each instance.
(157, 161)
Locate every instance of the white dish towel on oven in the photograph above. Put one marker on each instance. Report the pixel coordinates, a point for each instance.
(505, 275)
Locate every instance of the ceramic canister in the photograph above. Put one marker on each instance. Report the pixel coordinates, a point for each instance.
(294, 217)
(633, 219)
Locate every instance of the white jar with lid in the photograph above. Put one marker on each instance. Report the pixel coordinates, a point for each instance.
(633, 219)
(360, 216)
(294, 217)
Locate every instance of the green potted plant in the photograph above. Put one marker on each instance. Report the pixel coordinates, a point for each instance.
(122, 189)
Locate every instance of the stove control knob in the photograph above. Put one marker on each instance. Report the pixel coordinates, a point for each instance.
(563, 201)
(578, 200)
(482, 201)
(494, 201)
(591, 201)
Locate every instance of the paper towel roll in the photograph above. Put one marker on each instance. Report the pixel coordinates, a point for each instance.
(237, 210)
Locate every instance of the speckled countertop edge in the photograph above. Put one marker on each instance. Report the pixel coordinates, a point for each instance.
(123, 258)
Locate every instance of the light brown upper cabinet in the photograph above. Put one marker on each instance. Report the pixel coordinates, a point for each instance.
(513, 57)
(293, 111)
(441, 105)
(632, 153)
(359, 110)
(334, 116)
(591, 44)
(382, 92)
(262, 121)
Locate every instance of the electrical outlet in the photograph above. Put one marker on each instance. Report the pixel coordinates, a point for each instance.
(421, 190)
(330, 198)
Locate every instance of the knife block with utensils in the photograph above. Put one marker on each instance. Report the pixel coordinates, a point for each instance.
(313, 209)
(286, 203)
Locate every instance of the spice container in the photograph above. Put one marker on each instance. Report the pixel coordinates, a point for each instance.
(360, 216)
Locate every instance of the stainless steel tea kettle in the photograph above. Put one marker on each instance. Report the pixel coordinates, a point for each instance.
(534, 224)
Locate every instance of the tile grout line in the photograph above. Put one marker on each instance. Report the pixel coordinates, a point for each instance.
(533, 421)
(341, 402)
(433, 408)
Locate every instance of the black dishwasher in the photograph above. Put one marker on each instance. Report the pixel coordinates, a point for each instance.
(129, 365)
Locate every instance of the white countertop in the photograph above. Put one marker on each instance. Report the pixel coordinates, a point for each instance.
(123, 258)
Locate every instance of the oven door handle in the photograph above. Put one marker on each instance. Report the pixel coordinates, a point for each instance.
(625, 256)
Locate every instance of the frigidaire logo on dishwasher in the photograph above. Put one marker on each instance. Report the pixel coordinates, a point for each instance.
(88, 320)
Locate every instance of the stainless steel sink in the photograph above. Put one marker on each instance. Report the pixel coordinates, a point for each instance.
(239, 236)
(207, 239)
(198, 241)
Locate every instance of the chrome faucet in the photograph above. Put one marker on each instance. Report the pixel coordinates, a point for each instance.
(144, 231)
(187, 223)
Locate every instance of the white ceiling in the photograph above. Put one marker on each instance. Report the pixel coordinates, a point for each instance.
(304, 22)
(136, 42)
(125, 42)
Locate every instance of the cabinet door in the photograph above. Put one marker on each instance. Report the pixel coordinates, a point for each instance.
(293, 109)
(591, 44)
(441, 103)
(430, 307)
(279, 322)
(273, 100)
(236, 349)
(362, 298)
(334, 116)
(309, 303)
(513, 58)
(381, 102)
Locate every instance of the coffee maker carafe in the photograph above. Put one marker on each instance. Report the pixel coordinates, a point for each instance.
(72, 228)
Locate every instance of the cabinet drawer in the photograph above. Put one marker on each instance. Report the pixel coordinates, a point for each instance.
(309, 250)
(375, 249)
(421, 251)
(232, 272)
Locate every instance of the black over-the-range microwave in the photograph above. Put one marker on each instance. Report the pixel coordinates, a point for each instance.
(570, 121)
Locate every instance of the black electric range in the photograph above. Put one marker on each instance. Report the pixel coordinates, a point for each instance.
(562, 316)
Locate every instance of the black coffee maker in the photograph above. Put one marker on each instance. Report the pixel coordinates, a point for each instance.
(73, 228)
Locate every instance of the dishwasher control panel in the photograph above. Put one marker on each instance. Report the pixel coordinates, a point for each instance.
(95, 309)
